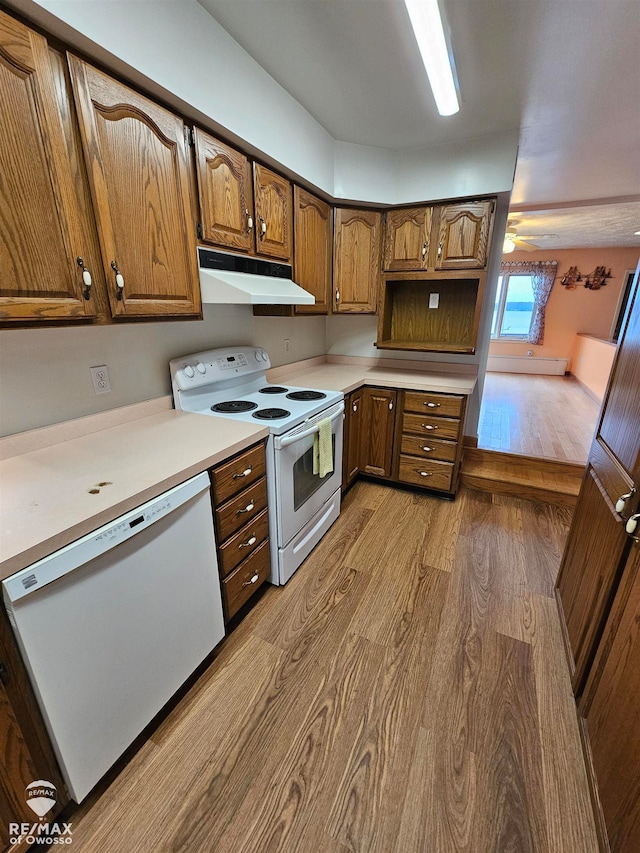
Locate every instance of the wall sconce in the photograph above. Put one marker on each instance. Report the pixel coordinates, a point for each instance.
(592, 281)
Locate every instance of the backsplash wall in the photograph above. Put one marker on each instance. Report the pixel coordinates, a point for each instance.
(45, 378)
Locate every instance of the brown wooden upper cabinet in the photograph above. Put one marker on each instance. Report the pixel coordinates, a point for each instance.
(463, 235)
(139, 170)
(313, 245)
(241, 210)
(226, 194)
(43, 232)
(407, 235)
(274, 213)
(356, 260)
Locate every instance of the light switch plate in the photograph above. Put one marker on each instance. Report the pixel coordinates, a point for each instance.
(434, 300)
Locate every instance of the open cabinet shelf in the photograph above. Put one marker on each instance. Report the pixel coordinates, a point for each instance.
(406, 322)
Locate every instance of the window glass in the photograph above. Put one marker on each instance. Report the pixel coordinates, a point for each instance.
(513, 307)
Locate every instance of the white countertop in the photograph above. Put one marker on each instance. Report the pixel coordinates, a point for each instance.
(46, 483)
(347, 377)
(45, 494)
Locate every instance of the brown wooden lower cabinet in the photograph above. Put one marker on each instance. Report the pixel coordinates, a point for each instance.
(610, 718)
(353, 436)
(408, 437)
(26, 753)
(239, 494)
(376, 454)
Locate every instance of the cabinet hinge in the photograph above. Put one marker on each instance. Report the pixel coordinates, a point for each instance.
(188, 136)
(199, 230)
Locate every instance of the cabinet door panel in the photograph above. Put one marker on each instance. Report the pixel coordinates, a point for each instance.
(380, 414)
(138, 166)
(406, 238)
(463, 238)
(224, 188)
(355, 437)
(274, 213)
(356, 263)
(41, 230)
(313, 246)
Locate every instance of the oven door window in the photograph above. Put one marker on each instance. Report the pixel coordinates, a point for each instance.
(305, 482)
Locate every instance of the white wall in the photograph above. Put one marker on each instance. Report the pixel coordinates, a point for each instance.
(45, 378)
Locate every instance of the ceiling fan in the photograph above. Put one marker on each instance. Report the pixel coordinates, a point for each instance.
(513, 240)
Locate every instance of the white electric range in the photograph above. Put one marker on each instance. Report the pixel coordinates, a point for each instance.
(231, 383)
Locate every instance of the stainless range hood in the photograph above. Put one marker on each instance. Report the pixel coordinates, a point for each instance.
(241, 280)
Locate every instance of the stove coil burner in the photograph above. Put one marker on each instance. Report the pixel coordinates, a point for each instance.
(270, 414)
(273, 389)
(232, 407)
(306, 395)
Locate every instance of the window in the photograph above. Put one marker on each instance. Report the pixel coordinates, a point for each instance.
(513, 307)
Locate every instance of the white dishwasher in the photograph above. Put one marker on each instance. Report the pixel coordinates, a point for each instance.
(113, 624)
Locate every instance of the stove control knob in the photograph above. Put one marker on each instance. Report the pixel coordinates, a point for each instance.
(258, 355)
(264, 356)
(189, 371)
(201, 368)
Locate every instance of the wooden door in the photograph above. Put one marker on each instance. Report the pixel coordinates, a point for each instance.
(463, 235)
(42, 231)
(593, 557)
(313, 245)
(356, 260)
(139, 168)
(406, 238)
(274, 213)
(379, 422)
(354, 436)
(225, 194)
(610, 715)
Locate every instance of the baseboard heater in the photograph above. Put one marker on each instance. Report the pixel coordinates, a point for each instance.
(527, 364)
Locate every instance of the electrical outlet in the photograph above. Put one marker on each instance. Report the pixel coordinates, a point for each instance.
(529, 352)
(434, 300)
(100, 378)
(287, 345)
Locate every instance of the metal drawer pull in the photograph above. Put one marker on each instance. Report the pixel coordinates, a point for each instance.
(433, 405)
(424, 249)
(620, 503)
(248, 508)
(428, 426)
(426, 449)
(263, 228)
(119, 281)
(249, 220)
(251, 580)
(248, 543)
(425, 473)
(390, 407)
(245, 473)
(355, 407)
(87, 281)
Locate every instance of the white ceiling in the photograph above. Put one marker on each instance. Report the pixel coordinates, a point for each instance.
(565, 73)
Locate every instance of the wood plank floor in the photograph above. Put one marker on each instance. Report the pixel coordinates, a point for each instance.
(549, 417)
(406, 692)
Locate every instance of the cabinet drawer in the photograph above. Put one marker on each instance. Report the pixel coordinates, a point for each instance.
(246, 540)
(430, 425)
(246, 579)
(233, 514)
(427, 473)
(443, 405)
(428, 448)
(232, 477)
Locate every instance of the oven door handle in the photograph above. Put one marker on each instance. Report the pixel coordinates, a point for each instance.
(287, 440)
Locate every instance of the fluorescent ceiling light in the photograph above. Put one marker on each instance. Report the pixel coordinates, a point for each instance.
(429, 33)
